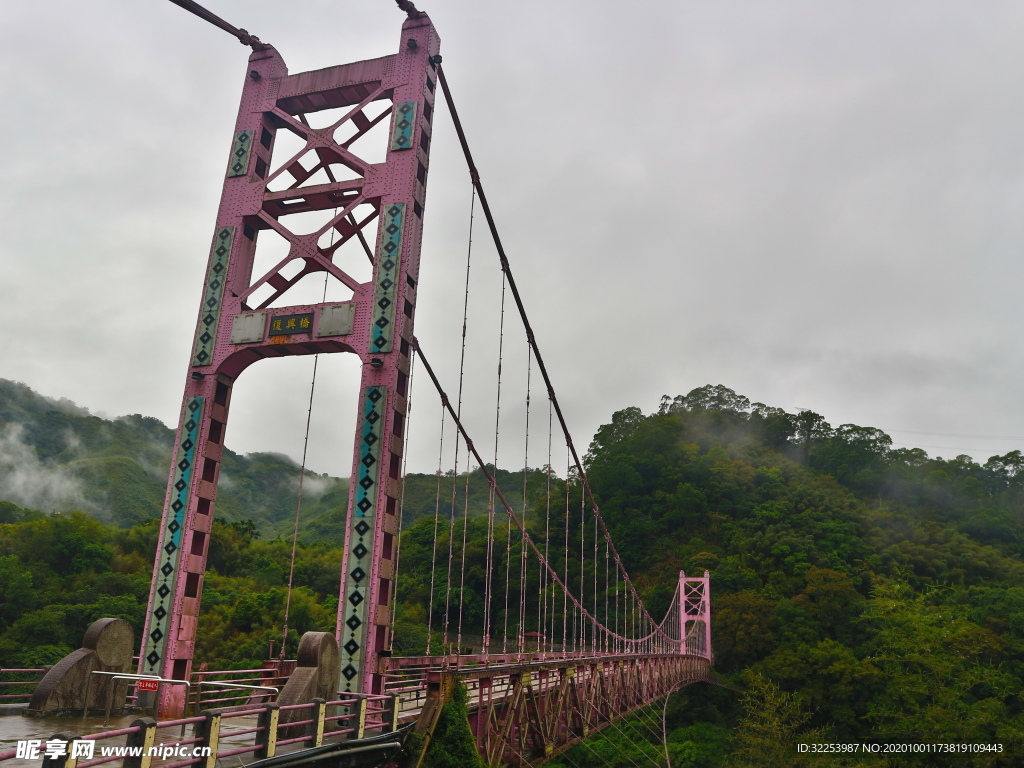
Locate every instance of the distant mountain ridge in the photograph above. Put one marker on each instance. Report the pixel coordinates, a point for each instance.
(56, 456)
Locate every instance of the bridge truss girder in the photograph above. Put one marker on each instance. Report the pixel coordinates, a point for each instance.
(534, 712)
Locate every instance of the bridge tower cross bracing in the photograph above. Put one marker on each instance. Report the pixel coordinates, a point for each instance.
(235, 330)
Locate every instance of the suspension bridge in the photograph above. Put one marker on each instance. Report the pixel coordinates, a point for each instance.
(566, 646)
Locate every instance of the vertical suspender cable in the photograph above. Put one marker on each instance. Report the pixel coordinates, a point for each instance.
(433, 553)
(458, 411)
(583, 578)
(522, 546)
(618, 627)
(298, 508)
(462, 568)
(446, 637)
(508, 582)
(606, 638)
(302, 475)
(595, 640)
(488, 611)
(565, 595)
(401, 511)
(542, 598)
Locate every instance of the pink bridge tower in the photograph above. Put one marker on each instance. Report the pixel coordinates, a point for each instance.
(695, 615)
(241, 321)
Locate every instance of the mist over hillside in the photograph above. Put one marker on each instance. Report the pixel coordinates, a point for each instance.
(56, 456)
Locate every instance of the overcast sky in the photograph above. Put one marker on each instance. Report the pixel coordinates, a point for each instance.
(816, 204)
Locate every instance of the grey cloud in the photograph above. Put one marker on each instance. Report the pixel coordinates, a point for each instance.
(817, 204)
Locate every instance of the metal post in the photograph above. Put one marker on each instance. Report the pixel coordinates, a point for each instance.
(389, 721)
(360, 718)
(65, 760)
(208, 731)
(144, 739)
(267, 738)
(315, 729)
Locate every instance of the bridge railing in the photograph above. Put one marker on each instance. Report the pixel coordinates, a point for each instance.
(240, 733)
(18, 685)
(206, 693)
(408, 676)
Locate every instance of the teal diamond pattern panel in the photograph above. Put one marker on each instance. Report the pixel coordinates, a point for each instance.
(405, 121)
(357, 579)
(385, 278)
(238, 165)
(170, 551)
(212, 296)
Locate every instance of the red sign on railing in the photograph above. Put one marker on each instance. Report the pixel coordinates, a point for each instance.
(147, 685)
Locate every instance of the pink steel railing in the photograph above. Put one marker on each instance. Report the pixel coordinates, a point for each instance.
(319, 722)
(407, 676)
(8, 685)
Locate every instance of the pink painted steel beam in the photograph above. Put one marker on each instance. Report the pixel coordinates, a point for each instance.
(376, 324)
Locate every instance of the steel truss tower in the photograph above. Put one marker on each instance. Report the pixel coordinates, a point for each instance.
(241, 322)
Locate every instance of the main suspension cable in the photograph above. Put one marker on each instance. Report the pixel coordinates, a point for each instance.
(513, 518)
(243, 37)
(506, 269)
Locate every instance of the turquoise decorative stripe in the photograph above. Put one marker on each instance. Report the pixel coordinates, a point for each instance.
(238, 165)
(405, 121)
(170, 544)
(369, 451)
(385, 278)
(361, 536)
(220, 252)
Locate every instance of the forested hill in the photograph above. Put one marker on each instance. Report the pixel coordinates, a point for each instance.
(57, 457)
(881, 590)
(860, 593)
(711, 463)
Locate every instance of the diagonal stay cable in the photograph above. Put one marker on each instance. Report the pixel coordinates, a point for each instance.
(626, 720)
(639, 750)
(623, 753)
(593, 736)
(506, 269)
(638, 717)
(653, 721)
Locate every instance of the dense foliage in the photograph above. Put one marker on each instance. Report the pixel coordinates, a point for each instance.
(60, 573)
(861, 593)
